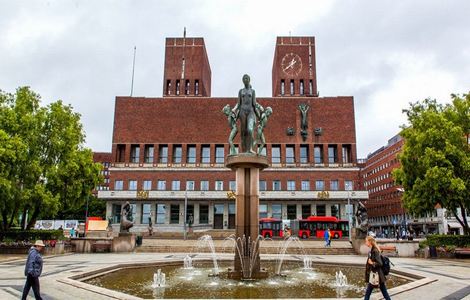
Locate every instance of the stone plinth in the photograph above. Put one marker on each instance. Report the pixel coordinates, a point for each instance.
(125, 242)
(247, 168)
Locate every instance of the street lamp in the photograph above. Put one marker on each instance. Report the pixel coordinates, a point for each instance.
(185, 233)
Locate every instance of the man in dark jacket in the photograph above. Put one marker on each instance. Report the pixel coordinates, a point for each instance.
(33, 270)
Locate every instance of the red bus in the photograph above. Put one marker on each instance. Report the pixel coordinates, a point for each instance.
(315, 227)
(270, 227)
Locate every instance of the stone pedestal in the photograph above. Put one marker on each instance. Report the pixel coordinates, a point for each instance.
(247, 168)
(125, 242)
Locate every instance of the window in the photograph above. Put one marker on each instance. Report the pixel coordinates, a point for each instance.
(334, 185)
(190, 214)
(121, 152)
(306, 211)
(318, 153)
(290, 185)
(134, 212)
(191, 155)
(311, 87)
(292, 88)
(263, 151)
(147, 186)
(186, 87)
(305, 185)
(177, 87)
(148, 154)
(303, 154)
(262, 185)
(319, 185)
(204, 185)
(219, 154)
(263, 211)
(348, 185)
(161, 213)
(196, 87)
(190, 185)
(116, 213)
(276, 211)
(177, 154)
(135, 153)
(161, 185)
(301, 87)
(168, 87)
(346, 154)
(290, 156)
(292, 212)
(175, 185)
(283, 87)
(205, 154)
(332, 154)
(118, 185)
(145, 214)
(203, 214)
(276, 185)
(321, 210)
(132, 185)
(219, 185)
(163, 154)
(233, 185)
(276, 154)
(335, 211)
(174, 213)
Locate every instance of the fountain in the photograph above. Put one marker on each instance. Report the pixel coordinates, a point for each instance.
(188, 262)
(159, 279)
(307, 263)
(283, 249)
(206, 241)
(340, 279)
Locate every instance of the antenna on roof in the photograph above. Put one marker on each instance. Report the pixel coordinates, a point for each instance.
(133, 68)
(183, 62)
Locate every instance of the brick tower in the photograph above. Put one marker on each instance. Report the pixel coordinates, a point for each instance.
(294, 72)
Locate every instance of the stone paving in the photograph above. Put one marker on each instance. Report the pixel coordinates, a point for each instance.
(446, 279)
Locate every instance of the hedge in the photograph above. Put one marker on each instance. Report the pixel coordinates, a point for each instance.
(441, 240)
(32, 235)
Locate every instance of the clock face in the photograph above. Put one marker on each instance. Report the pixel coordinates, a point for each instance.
(291, 64)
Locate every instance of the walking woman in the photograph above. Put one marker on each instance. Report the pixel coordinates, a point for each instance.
(374, 274)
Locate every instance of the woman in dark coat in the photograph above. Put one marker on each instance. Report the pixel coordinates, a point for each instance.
(374, 264)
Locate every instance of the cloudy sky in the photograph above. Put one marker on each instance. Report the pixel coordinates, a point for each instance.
(384, 53)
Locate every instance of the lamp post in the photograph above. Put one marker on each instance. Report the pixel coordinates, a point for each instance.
(185, 233)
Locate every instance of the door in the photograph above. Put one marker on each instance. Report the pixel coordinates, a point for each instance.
(231, 216)
(218, 216)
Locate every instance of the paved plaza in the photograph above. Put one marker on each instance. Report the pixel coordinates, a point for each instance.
(445, 279)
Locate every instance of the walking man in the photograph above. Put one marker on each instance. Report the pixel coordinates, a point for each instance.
(33, 269)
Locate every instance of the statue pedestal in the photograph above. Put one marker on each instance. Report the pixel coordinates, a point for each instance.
(247, 167)
(125, 242)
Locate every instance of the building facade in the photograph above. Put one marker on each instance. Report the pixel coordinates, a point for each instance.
(172, 148)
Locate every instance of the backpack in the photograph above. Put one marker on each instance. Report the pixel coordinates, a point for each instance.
(386, 264)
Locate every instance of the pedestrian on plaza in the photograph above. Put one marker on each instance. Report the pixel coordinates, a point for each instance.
(33, 270)
(329, 237)
(375, 277)
(72, 232)
(326, 236)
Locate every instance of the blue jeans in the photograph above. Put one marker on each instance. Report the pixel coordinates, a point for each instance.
(382, 287)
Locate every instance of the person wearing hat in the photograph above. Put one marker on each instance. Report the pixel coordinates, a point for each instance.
(33, 269)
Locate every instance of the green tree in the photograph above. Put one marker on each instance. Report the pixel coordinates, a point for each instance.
(435, 161)
(45, 169)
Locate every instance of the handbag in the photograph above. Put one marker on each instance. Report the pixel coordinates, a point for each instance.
(374, 278)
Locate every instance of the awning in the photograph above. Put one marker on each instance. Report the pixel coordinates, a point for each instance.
(454, 225)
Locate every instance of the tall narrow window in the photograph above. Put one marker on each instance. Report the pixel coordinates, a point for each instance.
(168, 87)
(319, 185)
(135, 153)
(148, 154)
(292, 87)
(118, 185)
(147, 185)
(161, 185)
(332, 154)
(177, 154)
(276, 154)
(290, 155)
(219, 154)
(163, 154)
(132, 185)
(346, 154)
(177, 87)
(121, 151)
(291, 185)
(318, 153)
(161, 213)
(276, 185)
(186, 87)
(190, 185)
(205, 154)
(321, 210)
(191, 154)
(219, 185)
(283, 87)
(301, 87)
(203, 214)
(174, 213)
(305, 185)
(334, 185)
(145, 214)
(276, 211)
(175, 185)
(306, 211)
(292, 212)
(311, 87)
(303, 154)
(233, 185)
(335, 210)
(204, 185)
(196, 87)
(262, 185)
(263, 211)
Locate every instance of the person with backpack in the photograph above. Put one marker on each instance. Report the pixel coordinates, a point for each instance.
(375, 276)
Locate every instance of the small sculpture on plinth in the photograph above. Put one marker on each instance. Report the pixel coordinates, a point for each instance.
(249, 112)
(362, 222)
(126, 215)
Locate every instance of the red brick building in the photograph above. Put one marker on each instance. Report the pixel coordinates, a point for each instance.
(105, 158)
(167, 148)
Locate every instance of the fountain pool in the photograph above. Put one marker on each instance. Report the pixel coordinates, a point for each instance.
(296, 282)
